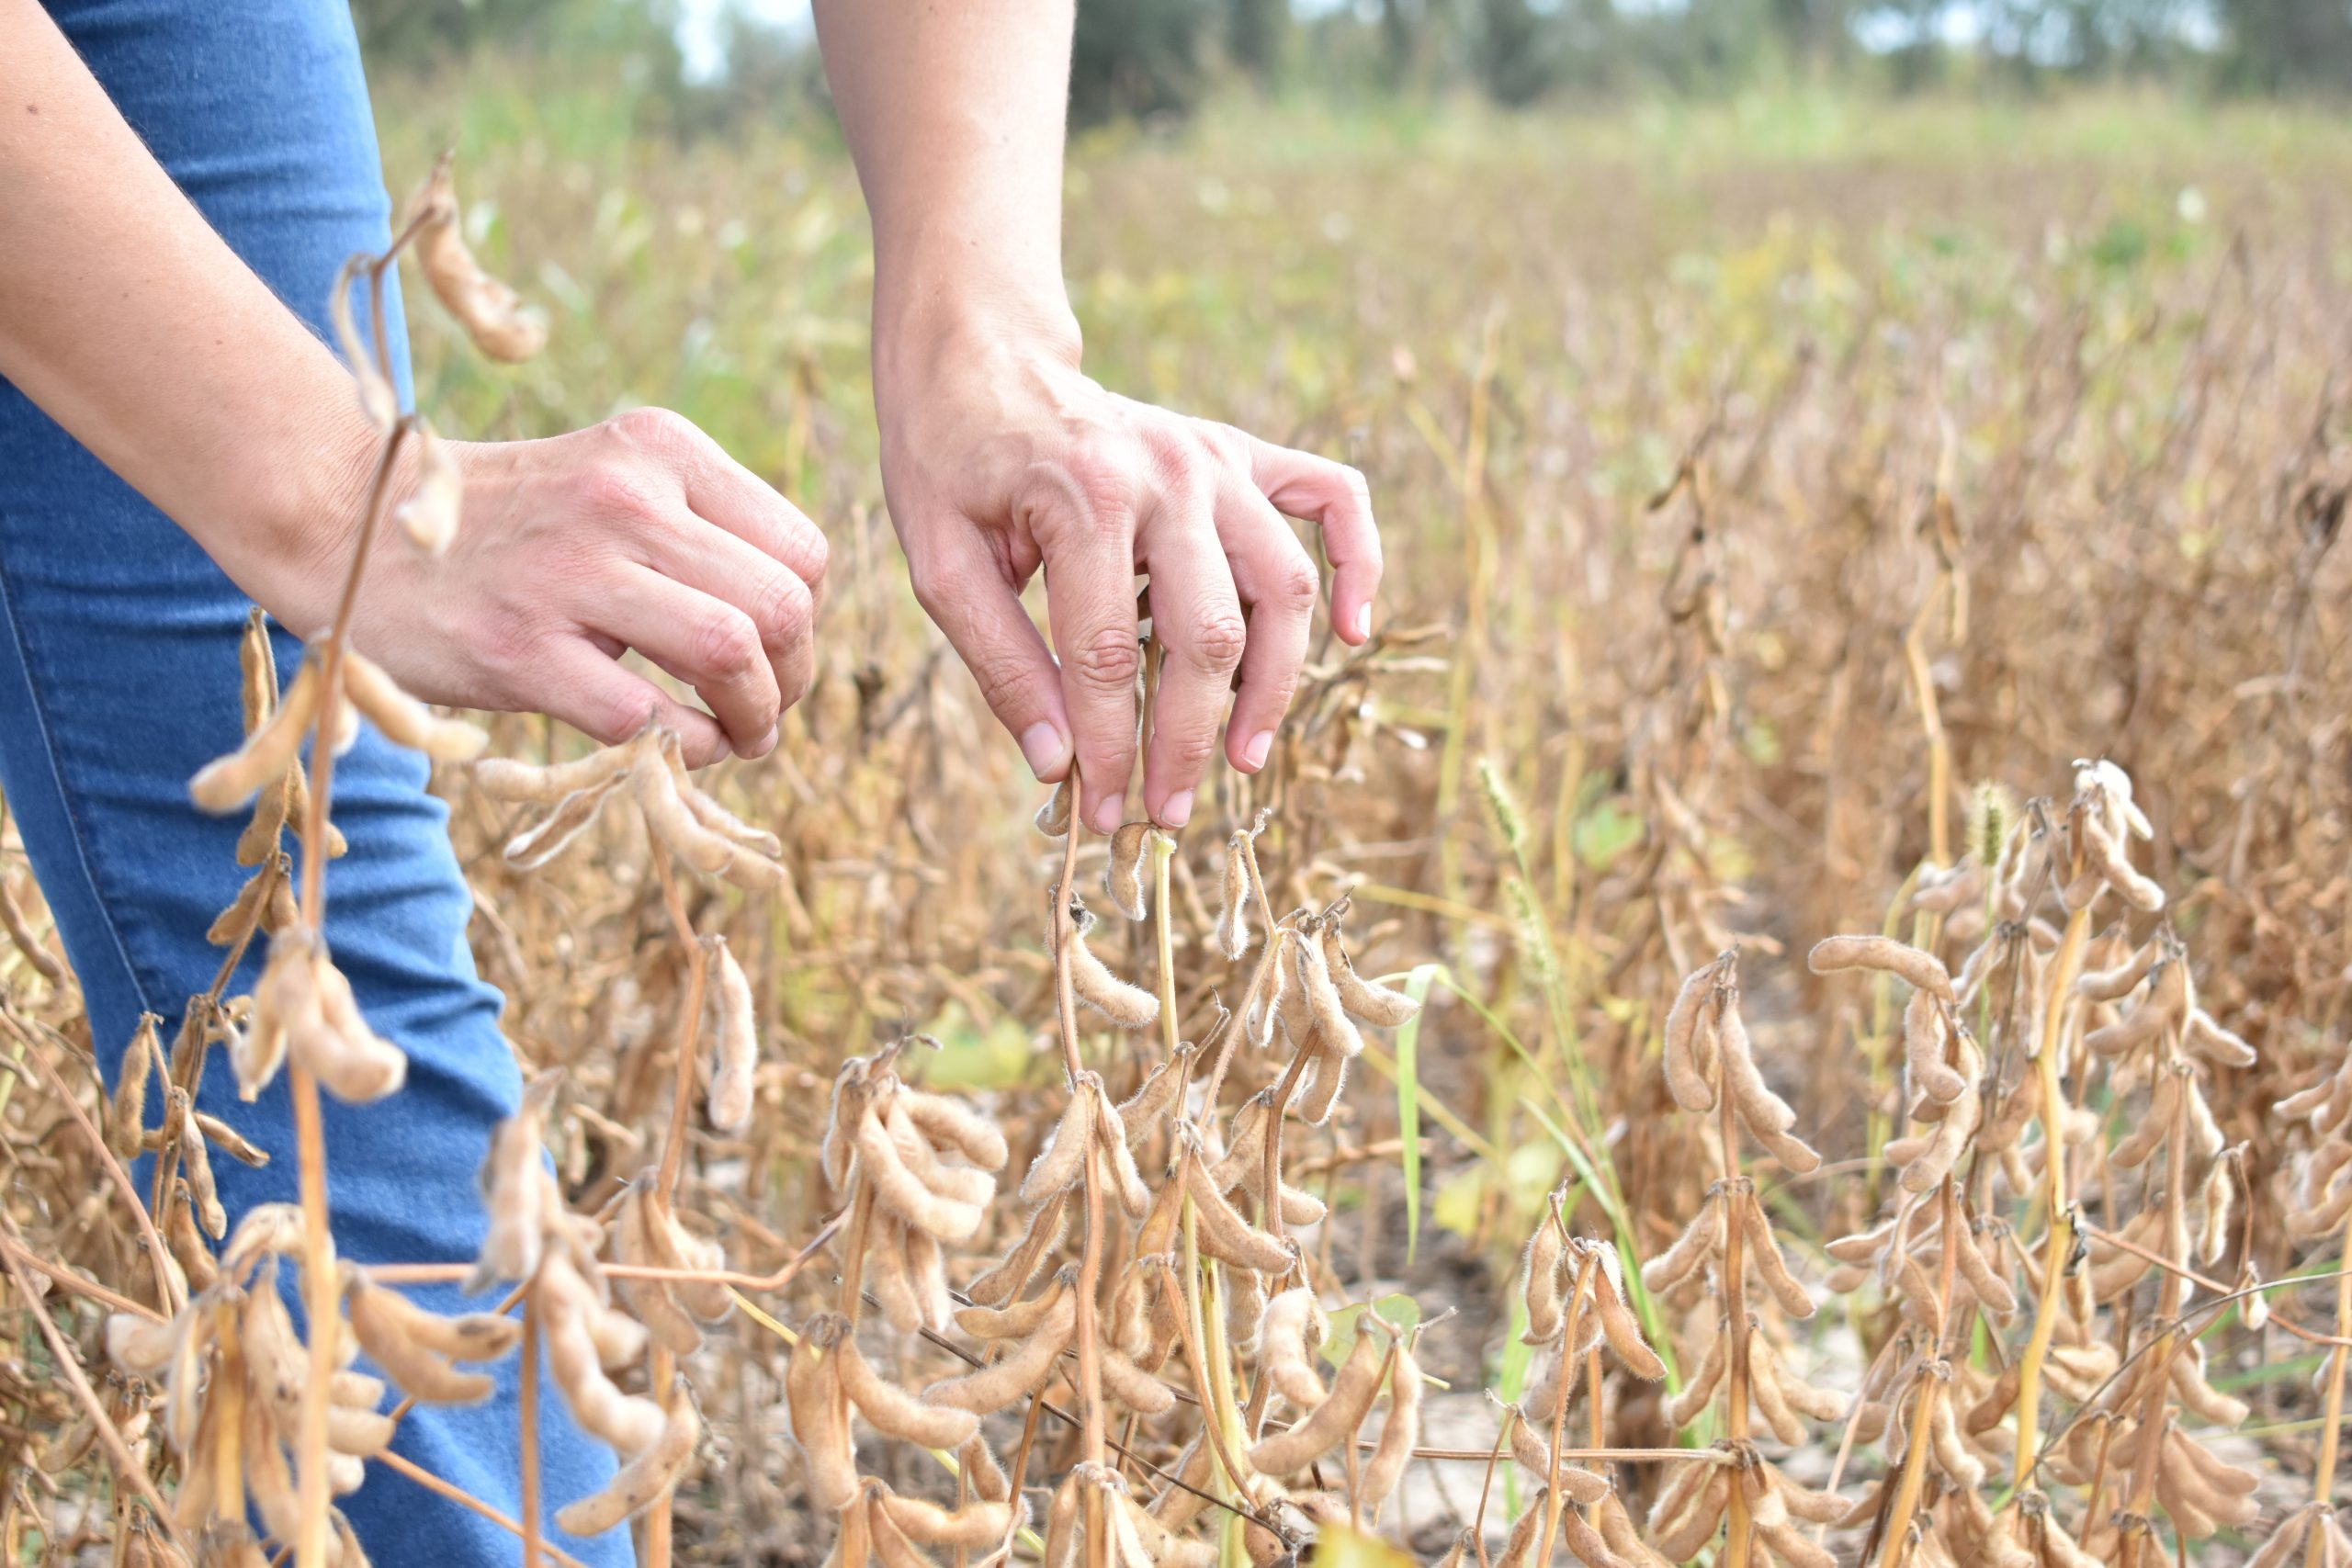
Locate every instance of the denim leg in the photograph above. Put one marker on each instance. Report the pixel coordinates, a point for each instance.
(119, 679)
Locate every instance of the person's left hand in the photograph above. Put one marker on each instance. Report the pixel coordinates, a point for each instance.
(999, 456)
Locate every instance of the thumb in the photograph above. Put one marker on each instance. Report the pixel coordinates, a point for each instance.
(983, 618)
(592, 693)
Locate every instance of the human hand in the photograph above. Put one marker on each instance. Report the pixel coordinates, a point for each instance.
(637, 533)
(999, 456)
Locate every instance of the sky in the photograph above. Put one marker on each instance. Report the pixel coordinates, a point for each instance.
(702, 29)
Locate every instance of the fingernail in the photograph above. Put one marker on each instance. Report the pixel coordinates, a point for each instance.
(1109, 814)
(1177, 809)
(1044, 746)
(1255, 754)
(1363, 621)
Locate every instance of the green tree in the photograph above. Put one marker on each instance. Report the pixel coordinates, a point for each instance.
(1137, 58)
(2285, 45)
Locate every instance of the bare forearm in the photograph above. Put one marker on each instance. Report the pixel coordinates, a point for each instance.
(954, 110)
(132, 324)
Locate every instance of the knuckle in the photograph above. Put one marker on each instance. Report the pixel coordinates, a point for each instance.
(819, 557)
(1090, 487)
(655, 429)
(1011, 685)
(1295, 582)
(724, 644)
(780, 607)
(1189, 751)
(1107, 657)
(1215, 637)
(617, 486)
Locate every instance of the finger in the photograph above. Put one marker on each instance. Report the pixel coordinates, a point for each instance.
(588, 691)
(969, 598)
(1196, 615)
(728, 494)
(777, 600)
(1335, 497)
(703, 641)
(1087, 535)
(1278, 582)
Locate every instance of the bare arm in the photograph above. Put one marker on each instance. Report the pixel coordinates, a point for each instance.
(999, 456)
(128, 320)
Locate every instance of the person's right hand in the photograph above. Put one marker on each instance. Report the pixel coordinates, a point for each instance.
(637, 533)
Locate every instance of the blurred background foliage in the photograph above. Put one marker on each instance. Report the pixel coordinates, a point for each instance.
(1155, 59)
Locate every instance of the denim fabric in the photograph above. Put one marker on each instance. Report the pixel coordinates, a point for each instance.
(119, 679)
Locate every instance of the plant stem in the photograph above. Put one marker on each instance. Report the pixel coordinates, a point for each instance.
(2324, 1473)
(1738, 1523)
(2060, 1241)
(529, 1402)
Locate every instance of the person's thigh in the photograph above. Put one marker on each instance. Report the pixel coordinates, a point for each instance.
(119, 679)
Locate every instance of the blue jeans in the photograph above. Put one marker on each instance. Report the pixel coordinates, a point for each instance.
(119, 679)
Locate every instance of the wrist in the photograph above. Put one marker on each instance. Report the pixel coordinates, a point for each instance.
(309, 512)
(922, 334)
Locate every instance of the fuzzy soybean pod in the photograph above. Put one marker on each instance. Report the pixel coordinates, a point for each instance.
(1699, 1241)
(1053, 817)
(892, 1410)
(512, 1193)
(227, 782)
(647, 1478)
(351, 1061)
(736, 1041)
(1020, 1319)
(1399, 1435)
(2164, 1005)
(2114, 985)
(1330, 1423)
(1769, 1264)
(1519, 1548)
(973, 1526)
(1233, 912)
(403, 719)
(900, 1192)
(2205, 1035)
(1133, 1387)
(1922, 970)
(1123, 877)
(648, 1300)
(1684, 1534)
(1061, 1164)
(1692, 1087)
(546, 783)
(993, 1387)
(1543, 1291)
(950, 1122)
(1111, 1133)
(628, 1423)
(1377, 1004)
(1020, 1265)
(1290, 1328)
(1341, 1037)
(1623, 1329)
(1224, 1233)
(1281, 986)
(1129, 1006)
(1992, 1291)
(1923, 1049)
(491, 313)
(385, 1323)
(1683, 1406)
(813, 1393)
(1763, 1110)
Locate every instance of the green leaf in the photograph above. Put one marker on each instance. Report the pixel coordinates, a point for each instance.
(1337, 1546)
(1398, 1310)
(1605, 832)
(1408, 1103)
